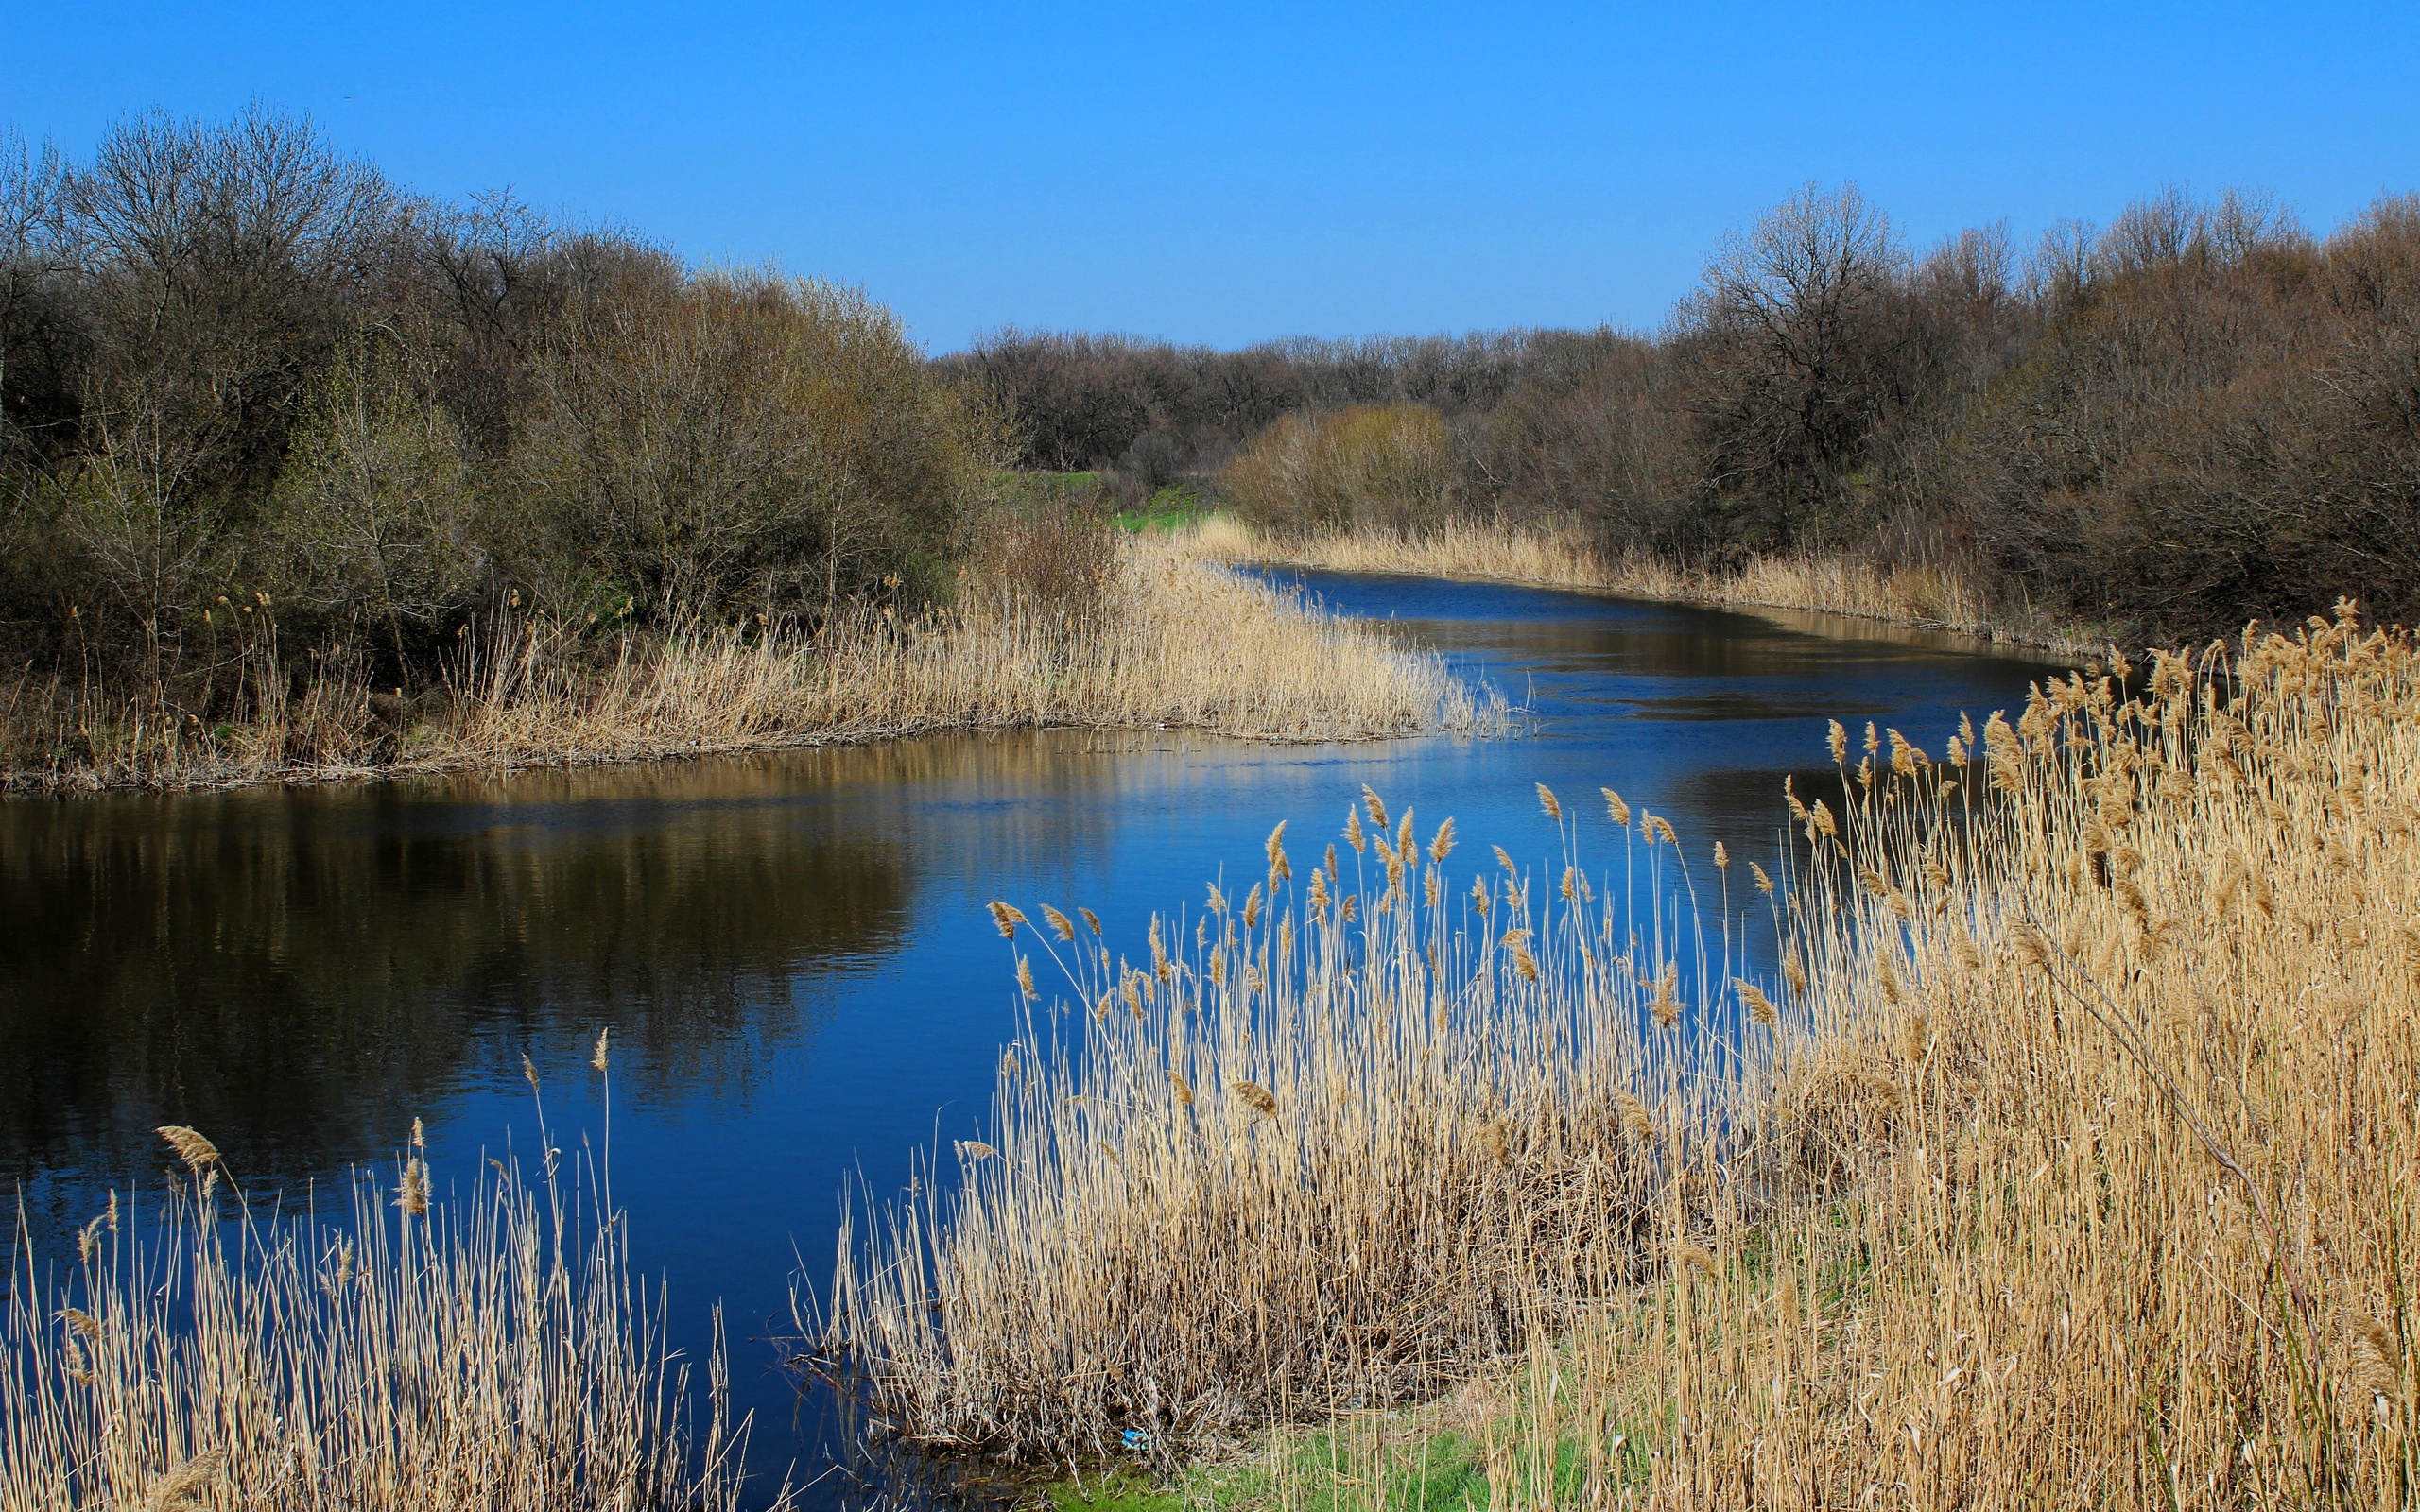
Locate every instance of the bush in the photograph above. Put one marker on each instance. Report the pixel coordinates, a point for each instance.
(742, 439)
(2215, 425)
(1386, 466)
(375, 516)
(1595, 444)
(2199, 417)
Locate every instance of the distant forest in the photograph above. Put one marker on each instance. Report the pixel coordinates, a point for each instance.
(244, 376)
(2199, 414)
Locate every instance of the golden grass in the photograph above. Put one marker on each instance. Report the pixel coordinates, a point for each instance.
(1171, 642)
(493, 1351)
(2074, 1170)
(1925, 595)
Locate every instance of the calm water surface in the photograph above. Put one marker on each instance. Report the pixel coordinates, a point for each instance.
(790, 950)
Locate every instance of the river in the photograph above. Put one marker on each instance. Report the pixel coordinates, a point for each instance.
(790, 950)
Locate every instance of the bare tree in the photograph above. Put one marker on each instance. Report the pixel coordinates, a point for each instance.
(40, 348)
(218, 265)
(1794, 355)
(746, 434)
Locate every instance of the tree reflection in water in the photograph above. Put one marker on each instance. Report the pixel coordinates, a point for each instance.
(304, 972)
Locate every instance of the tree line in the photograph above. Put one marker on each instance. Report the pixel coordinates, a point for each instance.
(243, 374)
(2199, 415)
(1153, 410)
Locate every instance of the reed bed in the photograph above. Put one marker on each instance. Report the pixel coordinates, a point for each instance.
(492, 1350)
(1169, 641)
(1330, 1144)
(2133, 1130)
(1924, 596)
(2067, 1159)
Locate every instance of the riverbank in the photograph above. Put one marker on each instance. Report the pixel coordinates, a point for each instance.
(1170, 640)
(1924, 597)
(2061, 1162)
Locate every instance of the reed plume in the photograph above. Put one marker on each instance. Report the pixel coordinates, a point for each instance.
(1377, 1095)
(196, 1152)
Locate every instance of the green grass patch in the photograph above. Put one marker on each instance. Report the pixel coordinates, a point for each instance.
(1373, 1468)
(1171, 509)
(1131, 1489)
(1303, 1472)
(1042, 493)
(1168, 510)
(1400, 1461)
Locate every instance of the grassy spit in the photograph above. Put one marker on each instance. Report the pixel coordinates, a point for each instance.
(1925, 595)
(1164, 641)
(2067, 1160)
(493, 1350)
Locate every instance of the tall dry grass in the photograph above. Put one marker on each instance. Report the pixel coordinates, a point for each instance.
(490, 1349)
(2126, 1217)
(1925, 595)
(1328, 1145)
(1169, 641)
(2065, 1161)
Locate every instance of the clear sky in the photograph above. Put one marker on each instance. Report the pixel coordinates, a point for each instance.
(1233, 172)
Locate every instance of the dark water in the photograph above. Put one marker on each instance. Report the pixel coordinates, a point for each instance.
(790, 950)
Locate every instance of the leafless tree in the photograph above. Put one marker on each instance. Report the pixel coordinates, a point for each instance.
(216, 265)
(1795, 355)
(742, 434)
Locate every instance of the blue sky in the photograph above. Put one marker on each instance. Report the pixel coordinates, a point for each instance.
(1228, 172)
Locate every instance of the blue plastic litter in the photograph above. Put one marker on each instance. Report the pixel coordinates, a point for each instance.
(1136, 1438)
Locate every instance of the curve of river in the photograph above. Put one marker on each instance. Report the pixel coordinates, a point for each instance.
(790, 949)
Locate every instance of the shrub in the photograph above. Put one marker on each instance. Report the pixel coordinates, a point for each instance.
(2215, 425)
(743, 438)
(1389, 467)
(376, 520)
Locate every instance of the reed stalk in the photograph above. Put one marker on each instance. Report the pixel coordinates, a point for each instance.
(1328, 1148)
(1919, 594)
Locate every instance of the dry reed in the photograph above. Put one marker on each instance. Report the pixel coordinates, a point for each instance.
(2073, 1168)
(1329, 1146)
(1923, 596)
(1172, 644)
(2093, 1186)
(490, 1352)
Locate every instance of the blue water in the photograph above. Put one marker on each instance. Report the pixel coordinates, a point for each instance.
(791, 950)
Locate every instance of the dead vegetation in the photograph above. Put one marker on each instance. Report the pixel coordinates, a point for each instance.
(2065, 1160)
(1921, 595)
